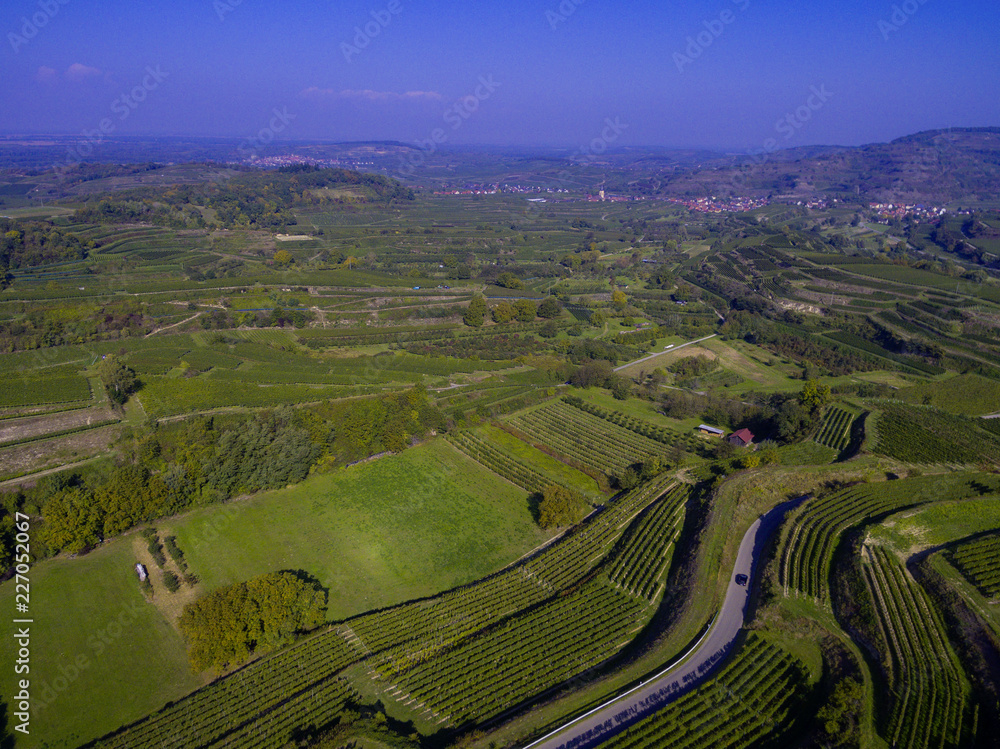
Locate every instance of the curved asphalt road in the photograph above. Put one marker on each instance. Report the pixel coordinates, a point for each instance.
(604, 722)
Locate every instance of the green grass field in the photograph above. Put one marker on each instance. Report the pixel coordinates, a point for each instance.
(399, 528)
(89, 615)
(940, 523)
(402, 527)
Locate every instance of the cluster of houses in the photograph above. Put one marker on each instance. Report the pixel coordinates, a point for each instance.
(741, 438)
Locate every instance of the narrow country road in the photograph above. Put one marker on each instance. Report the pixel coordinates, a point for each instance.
(604, 722)
(661, 353)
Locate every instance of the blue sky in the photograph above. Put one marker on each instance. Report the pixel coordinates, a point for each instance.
(712, 73)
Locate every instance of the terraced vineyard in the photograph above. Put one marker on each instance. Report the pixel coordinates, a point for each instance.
(979, 562)
(56, 384)
(500, 462)
(539, 648)
(528, 654)
(813, 534)
(647, 552)
(755, 697)
(835, 431)
(926, 435)
(640, 427)
(587, 439)
(264, 703)
(261, 705)
(931, 698)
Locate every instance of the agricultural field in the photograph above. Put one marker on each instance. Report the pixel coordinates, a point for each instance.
(979, 561)
(430, 502)
(966, 395)
(755, 697)
(930, 693)
(926, 435)
(835, 431)
(587, 439)
(814, 532)
(380, 408)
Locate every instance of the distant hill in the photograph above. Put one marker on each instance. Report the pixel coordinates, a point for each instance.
(939, 167)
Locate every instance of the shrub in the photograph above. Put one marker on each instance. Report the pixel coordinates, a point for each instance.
(171, 581)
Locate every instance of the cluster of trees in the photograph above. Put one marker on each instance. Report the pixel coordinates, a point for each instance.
(806, 349)
(559, 507)
(231, 624)
(120, 381)
(686, 371)
(137, 209)
(599, 373)
(254, 200)
(73, 324)
(590, 349)
(522, 310)
(486, 347)
(209, 460)
(787, 417)
(27, 244)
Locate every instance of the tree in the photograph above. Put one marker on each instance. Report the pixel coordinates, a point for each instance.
(592, 374)
(508, 280)
(119, 381)
(283, 258)
(229, 625)
(549, 330)
(814, 395)
(525, 310)
(72, 520)
(842, 715)
(549, 308)
(503, 313)
(619, 299)
(475, 313)
(560, 507)
(620, 388)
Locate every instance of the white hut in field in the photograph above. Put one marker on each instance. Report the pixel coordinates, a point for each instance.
(141, 570)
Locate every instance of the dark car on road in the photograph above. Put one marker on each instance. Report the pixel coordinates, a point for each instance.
(741, 579)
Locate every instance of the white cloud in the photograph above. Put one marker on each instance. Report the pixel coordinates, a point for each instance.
(78, 72)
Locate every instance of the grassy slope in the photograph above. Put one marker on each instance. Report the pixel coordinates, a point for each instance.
(402, 527)
(398, 528)
(940, 523)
